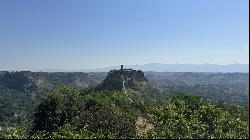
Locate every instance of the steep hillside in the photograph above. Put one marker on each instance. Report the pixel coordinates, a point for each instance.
(132, 81)
(20, 92)
(26, 80)
(16, 81)
(125, 79)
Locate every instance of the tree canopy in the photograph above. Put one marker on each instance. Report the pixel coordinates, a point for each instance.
(65, 113)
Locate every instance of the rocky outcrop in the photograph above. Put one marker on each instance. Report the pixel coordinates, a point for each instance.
(125, 79)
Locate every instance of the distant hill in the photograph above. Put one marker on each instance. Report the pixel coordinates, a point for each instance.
(158, 67)
(228, 87)
(26, 80)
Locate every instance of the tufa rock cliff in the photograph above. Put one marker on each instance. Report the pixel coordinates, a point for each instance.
(125, 79)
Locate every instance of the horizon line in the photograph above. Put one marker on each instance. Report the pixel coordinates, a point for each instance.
(105, 67)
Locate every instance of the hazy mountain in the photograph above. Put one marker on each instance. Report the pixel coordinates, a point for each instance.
(179, 68)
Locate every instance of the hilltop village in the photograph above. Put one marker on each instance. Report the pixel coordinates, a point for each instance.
(125, 79)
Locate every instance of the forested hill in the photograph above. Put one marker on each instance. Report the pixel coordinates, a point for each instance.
(68, 113)
(26, 80)
(68, 105)
(20, 92)
(227, 87)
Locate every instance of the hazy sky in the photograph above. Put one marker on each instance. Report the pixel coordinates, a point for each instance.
(75, 34)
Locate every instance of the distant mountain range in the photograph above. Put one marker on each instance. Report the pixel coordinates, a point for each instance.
(158, 67)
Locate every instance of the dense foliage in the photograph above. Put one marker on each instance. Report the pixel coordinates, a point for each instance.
(66, 113)
(231, 88)
(20, 92)
(28, 111)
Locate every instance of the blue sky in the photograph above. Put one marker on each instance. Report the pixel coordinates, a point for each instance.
(76, 34)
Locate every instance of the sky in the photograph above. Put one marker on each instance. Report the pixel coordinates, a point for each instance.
(79, 34)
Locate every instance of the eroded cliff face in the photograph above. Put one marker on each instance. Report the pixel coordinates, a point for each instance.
(32, 81)
(125, 79)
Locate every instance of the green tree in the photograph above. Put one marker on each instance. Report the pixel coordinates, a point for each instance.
(57, 108)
